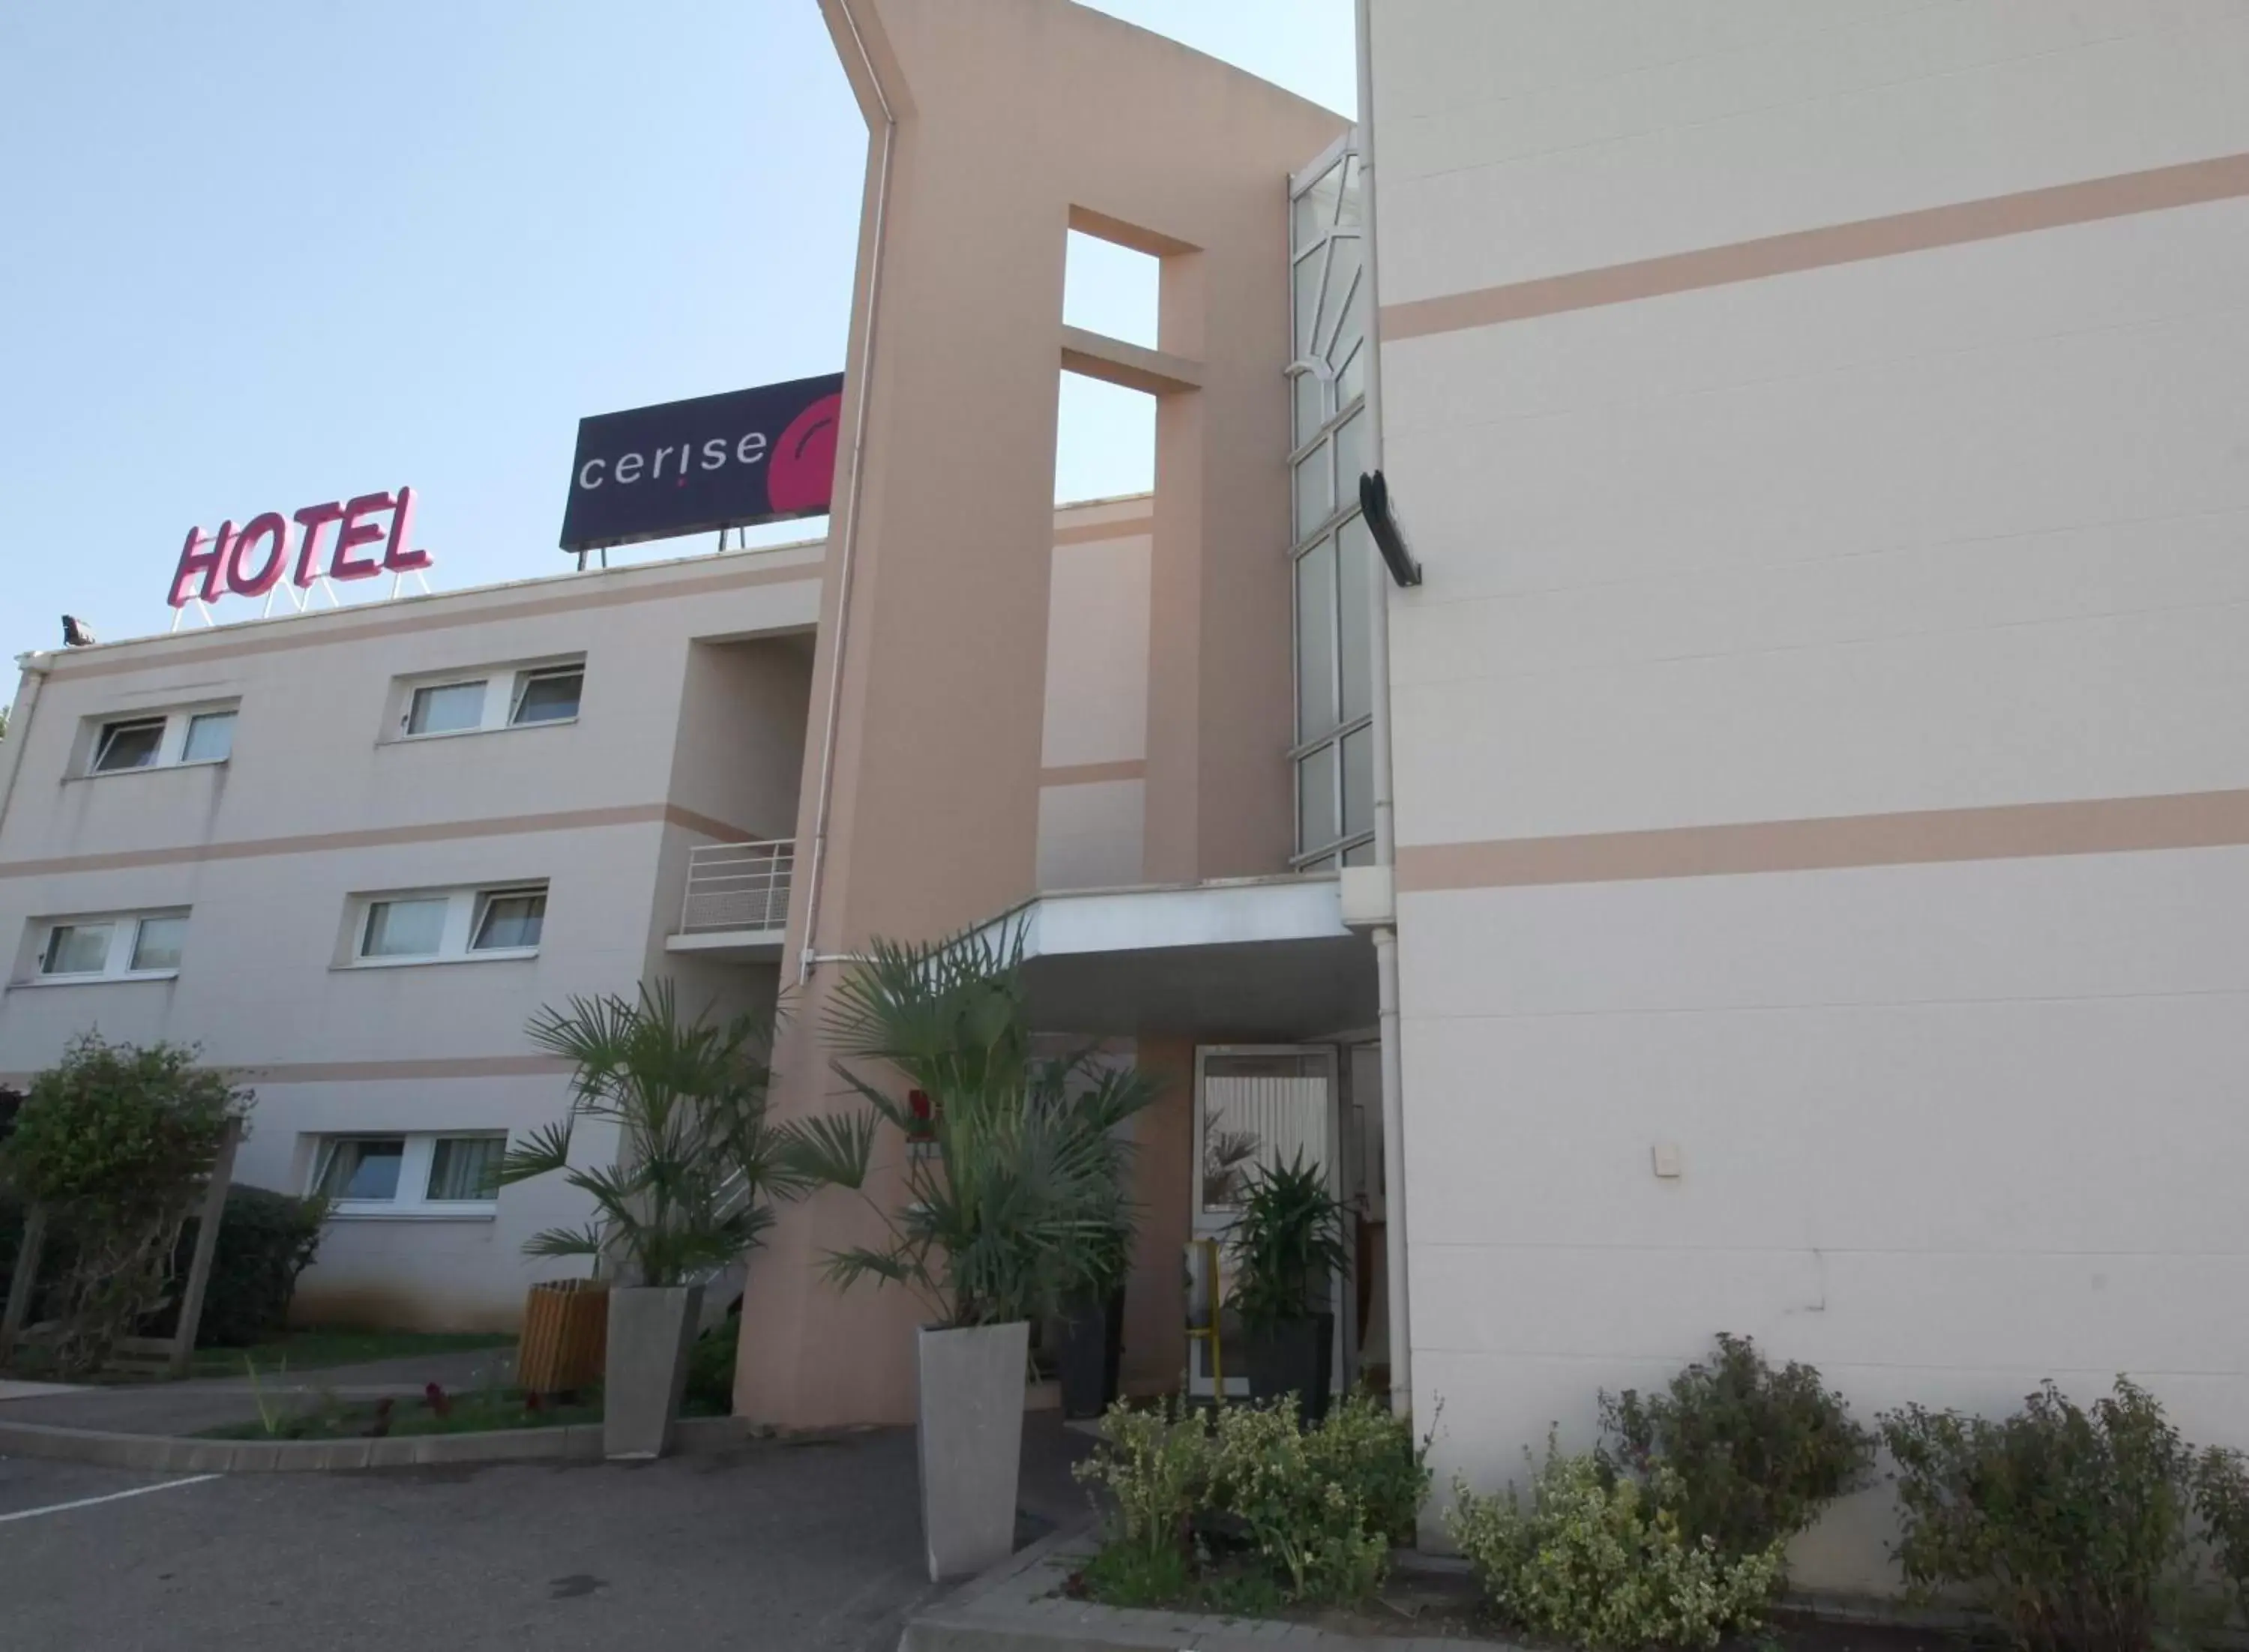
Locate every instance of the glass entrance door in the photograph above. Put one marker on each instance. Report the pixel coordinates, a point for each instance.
(1257, 1106)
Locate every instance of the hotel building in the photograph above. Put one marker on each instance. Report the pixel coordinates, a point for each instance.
(1784, 869)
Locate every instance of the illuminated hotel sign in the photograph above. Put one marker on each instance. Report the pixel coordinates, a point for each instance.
(715, 462)
(250, 560)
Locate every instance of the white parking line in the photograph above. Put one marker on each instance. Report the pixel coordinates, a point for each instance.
(87, 1503)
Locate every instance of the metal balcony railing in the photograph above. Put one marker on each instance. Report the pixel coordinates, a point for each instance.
(738, 886)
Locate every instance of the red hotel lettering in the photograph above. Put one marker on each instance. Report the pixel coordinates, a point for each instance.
(250, 564)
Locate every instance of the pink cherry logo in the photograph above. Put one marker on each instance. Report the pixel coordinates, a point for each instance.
(803, 474)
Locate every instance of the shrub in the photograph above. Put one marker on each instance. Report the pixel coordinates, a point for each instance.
(1157, 1465)
(1248, 1503)
(265, 1240)
(1598, 1559)
(2221, 1496)
(1309, 1529)
(2070, 1526)
(112, 1140)
(1758, 1453)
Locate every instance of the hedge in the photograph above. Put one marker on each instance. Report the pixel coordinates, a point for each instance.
(265, 1240)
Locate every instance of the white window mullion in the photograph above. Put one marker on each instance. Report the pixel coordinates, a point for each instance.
(413, 1171)
(460, 913)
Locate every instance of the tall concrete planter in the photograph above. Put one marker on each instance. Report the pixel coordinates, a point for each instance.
(651, 1327)
(971, 1432)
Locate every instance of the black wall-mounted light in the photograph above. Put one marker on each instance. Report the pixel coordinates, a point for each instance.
(77, 634)
(1374, 500)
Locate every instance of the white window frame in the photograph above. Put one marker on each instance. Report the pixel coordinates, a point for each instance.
(171, 743)
(504, 687)
(117, 963)
(524, 678)
(464, 907)
(415, 1162)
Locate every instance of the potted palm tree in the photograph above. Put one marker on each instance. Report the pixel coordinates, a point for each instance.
(1289, 1249)
(1000, 1192)
(690, 1189)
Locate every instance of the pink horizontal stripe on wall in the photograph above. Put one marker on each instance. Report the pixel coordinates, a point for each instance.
(2224, 178)
(373, 837)
(2103, 826)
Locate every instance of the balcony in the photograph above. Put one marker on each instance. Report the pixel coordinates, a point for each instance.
(737, 901)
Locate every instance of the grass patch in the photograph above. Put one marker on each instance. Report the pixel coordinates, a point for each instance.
(315, 1350)
(1128, 1575)
(479, 1412)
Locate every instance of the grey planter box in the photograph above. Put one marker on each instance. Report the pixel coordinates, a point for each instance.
(651, 1327)
(972, 1445)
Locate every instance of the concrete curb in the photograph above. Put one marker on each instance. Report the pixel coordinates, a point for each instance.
(169, 1454)
(1014, 1607)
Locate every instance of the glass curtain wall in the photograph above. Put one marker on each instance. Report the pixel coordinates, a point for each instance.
(1334, 754)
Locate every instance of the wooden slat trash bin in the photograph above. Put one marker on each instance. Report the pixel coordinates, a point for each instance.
(566, 1336)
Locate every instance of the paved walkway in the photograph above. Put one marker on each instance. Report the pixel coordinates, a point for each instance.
(208, 1403)
(804, 1546)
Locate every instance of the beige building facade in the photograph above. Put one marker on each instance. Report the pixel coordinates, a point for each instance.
(1822, 776)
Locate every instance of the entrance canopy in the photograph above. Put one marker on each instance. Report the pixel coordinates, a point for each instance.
(1241, 959)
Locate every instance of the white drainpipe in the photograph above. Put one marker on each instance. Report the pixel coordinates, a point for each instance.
(1386, 829)
(809, 953)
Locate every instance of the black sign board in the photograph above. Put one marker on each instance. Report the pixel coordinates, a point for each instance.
(715, 462)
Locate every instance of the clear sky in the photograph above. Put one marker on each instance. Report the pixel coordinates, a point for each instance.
(257, 254)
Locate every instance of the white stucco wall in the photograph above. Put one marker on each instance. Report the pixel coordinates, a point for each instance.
(316, 806)
(1950, 529)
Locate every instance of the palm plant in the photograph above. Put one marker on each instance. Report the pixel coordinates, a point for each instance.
(698, 1163)
(1287, 1243)
(1012, 1194)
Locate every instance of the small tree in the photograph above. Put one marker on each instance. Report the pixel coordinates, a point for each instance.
(114, 1142)
(696, 1171)
(1012, 1184)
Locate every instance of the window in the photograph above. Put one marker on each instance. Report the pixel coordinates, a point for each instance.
(211, 738)
(510, 918)
(78, 949)
(508, 697)
(363, 1168)
(1333, 552)
(128, 745)
(404, 928)
(116, 947)
(160, 740)
(547, 696)
(465, 1168)
(447, 708)
(437, 926)
(411, 1174)
(157, 944)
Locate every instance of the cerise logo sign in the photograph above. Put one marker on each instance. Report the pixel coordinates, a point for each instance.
(715, 462)
(250, 561)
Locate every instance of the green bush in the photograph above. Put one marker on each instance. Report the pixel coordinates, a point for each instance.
(1599, 1559)
(1758, 1453)
(2221, 1496)
(112, 1140)
(710, 1369)
(1228, 1508)
(2070, 1526)
(265, 1240)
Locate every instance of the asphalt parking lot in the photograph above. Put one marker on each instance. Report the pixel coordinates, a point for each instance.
(779, 1545)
